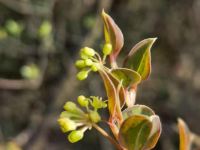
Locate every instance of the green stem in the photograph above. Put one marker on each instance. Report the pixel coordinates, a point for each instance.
(105, 134)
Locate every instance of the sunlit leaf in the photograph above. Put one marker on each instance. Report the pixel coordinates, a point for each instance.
(116, 83)
(113, 99)
(134, 132)
(139, 58)
(184, 135)
(112, 35)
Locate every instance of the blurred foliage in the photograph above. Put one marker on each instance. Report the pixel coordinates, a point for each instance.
(49, 33)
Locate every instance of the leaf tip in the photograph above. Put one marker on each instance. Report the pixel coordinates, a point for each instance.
(152, 40)
(103, 13)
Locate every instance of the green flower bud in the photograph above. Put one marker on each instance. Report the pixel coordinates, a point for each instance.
(66, 124)
(83, 101)
(75, 136)
(82, 75)
(84, 56)
(94, 116)
(88, 62)
(95, 67)
(72, 107)
(87, 52)
(107, 49)
(80, 64)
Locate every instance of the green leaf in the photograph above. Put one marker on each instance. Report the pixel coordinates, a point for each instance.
(139, 58)
(113, 35)
(127, 76)
(184, 135)
(154, 119)
(134, 132)
(138, 110)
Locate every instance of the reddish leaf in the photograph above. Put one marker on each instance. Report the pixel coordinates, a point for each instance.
(121, 92)
(113, 98)
(113, 35)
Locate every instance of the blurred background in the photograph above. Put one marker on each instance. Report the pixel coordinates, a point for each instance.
(40, 41)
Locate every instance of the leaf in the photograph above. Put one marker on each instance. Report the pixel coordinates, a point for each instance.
(155, 132)
(139, 58)
(134, 132)
(184, 135)
(113, 99)
(116, 83)
(129, 79)
(127, 76)
(113, 35)
(137, 110)
(155, 121)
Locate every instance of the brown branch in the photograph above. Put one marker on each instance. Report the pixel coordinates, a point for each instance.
(13, 84)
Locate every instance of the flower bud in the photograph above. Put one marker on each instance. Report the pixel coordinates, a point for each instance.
(66, 124)
(83, 101)
(94, 67)
(86, 51)
(88, 62)
(94, 116)
(84, 56)
(75, 136)
(80, 64)
(107, 49)
(82, 75)
(70, 106)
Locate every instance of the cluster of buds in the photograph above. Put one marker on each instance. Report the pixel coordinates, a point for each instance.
(91, 60)
(76, 120)
(87, 63)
